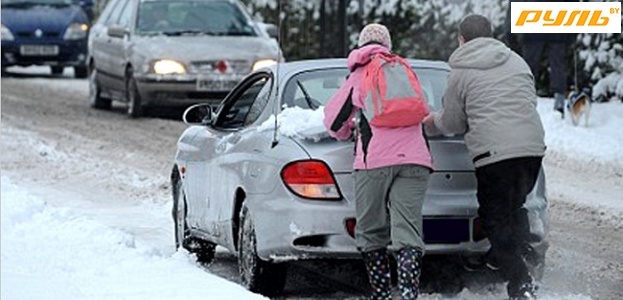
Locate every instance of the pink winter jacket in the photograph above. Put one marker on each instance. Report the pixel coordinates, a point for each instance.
(385, 146)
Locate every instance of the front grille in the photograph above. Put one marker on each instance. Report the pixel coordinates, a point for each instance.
(31, 34)
(446, 231)
(209, 66)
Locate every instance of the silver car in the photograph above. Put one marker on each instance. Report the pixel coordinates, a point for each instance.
(173, 52)
(241, 181)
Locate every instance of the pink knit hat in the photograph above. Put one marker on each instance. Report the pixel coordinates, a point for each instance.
(375, 33)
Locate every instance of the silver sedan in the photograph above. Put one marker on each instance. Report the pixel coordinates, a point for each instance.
(173, 52)
(247, 177)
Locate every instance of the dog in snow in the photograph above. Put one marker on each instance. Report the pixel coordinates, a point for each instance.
(579, 105)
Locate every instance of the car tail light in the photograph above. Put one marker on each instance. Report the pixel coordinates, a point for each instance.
(477, 232)
(350, 226)
(310, 179)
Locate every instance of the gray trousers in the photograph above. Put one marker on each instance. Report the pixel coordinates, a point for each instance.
(389, 207)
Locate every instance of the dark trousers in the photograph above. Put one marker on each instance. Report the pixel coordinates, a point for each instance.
(502, 191)
(557, 57)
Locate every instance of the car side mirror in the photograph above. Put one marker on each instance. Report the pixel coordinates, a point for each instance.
(199, 114)
(117, 31)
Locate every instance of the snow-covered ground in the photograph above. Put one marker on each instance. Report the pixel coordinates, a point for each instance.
(52, 250)
(54, 253)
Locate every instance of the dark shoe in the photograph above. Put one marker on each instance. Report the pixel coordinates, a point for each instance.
(559, 103)
(491, 262)
(377, 265)
(523, 291)
(409, 265)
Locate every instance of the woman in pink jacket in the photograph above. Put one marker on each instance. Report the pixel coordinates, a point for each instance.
(392, 169)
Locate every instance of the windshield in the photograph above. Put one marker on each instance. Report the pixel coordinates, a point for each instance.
(314, 88)
(35, 2)
(193, 17)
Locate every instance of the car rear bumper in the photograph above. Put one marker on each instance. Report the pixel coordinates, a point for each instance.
(70, 53)
(311, 230)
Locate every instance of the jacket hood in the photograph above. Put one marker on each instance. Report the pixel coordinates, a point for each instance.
(480, 53)
(363, 55)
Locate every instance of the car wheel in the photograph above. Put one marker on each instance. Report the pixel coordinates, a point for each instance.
(95, 93)
(255, 274)
(80, 72)
(135, 108)
(203, 250)
(57, 70)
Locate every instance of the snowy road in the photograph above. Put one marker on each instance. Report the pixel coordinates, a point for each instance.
(115, 171)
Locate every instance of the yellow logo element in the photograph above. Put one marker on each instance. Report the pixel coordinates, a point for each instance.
(565, 17)
(568, 17)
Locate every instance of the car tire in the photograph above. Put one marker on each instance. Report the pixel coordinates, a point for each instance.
(95, 93)
(57, 70)
(203, 250)
(257, 275)
(135, 107)
(80, 72)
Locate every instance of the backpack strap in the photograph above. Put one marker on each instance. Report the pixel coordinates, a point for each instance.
(363, 131)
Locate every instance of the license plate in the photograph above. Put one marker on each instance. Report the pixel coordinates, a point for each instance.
(38, 50)
(216, 82)
(446, 231)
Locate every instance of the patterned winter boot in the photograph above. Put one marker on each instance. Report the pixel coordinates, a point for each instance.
(409, 264)
(377, 264)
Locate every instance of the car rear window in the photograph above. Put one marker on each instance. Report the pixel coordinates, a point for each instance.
(222, 18)
(320, 85)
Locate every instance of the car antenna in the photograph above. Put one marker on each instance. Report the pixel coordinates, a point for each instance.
(276, 107)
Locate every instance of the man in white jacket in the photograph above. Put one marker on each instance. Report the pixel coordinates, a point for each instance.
(492, 100)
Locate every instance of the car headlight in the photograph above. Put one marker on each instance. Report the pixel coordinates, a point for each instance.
(263, 63)
(167, 66)
(76, 31)
(6, 33)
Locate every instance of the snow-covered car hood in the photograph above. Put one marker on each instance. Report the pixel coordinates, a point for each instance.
(47, 18)
(190, 48)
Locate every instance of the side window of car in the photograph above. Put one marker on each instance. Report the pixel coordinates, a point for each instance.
(260, 102)
(234, 113)
(116, 12)
(105, 15)
(126, 15)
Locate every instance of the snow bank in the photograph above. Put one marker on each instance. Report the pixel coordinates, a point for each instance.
(53, 253)
(595, 148)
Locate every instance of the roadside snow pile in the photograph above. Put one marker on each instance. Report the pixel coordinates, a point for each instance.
(53, 253)
(589, 149)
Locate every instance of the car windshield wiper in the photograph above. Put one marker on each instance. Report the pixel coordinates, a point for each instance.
(188, 32)
(308, 99)
(238, 33)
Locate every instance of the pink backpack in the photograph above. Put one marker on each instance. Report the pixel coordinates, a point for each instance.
(393, 93)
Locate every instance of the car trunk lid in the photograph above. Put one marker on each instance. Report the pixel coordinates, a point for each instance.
(452, 181)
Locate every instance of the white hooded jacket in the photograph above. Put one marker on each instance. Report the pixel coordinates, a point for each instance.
(491, 99)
